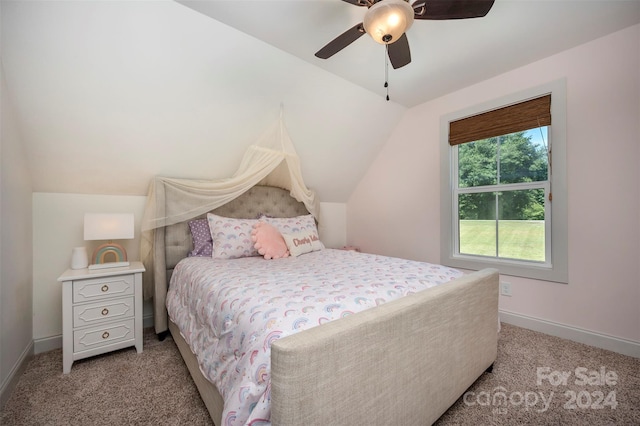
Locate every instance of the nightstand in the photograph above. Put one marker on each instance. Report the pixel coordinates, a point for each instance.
(101, 311)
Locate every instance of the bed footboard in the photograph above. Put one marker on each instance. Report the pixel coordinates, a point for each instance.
(404, 362)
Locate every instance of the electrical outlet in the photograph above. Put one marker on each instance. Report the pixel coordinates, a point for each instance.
(505, 288)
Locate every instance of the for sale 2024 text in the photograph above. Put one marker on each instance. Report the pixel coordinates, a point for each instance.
(581, 376)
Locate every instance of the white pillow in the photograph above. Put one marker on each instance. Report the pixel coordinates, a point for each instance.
(290, 225)
(231, 237)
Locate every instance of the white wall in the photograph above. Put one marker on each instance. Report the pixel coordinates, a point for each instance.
(15, 249)
(332, 224)
(58, 227)
(151, 81)
(395, 208)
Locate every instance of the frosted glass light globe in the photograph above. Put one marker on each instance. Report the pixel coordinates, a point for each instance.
(387, 20)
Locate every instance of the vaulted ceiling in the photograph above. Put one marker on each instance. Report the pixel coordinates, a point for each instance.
(446, 55)
(108, 94)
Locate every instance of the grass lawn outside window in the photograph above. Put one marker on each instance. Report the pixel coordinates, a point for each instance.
(519, 239)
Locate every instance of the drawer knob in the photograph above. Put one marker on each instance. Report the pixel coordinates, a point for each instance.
(105, 335)
(105, 288)
(105, 311)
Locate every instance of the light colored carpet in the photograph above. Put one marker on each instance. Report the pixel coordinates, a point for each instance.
(154, 388)
(521, 353)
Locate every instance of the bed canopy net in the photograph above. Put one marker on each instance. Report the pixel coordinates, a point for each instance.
(271, 161)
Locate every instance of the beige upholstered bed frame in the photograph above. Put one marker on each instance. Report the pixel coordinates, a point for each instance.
(404, 362)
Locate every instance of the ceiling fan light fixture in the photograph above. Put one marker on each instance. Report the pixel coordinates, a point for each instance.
(387, 20)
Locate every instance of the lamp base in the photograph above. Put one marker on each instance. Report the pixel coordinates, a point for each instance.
(108, 265)
(103, 255)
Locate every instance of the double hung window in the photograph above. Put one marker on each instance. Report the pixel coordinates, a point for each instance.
(498, 191)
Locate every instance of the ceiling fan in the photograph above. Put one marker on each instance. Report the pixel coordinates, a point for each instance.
(386, 21)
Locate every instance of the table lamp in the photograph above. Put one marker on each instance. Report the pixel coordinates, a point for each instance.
(108, 226)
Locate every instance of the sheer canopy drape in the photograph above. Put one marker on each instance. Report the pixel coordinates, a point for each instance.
(272, 161)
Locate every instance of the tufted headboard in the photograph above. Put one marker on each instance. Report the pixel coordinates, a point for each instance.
(172, 243)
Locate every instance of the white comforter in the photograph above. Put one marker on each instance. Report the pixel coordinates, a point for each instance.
(230, 311)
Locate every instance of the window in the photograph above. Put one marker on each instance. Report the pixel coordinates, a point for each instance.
(504, 186)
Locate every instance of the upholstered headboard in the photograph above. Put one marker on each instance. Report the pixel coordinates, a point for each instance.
(172, 243)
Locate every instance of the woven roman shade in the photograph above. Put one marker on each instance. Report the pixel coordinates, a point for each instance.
(513, 118)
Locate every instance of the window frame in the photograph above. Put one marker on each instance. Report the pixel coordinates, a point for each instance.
(556, 267)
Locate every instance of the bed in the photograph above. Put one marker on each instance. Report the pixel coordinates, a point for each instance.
(405, 361)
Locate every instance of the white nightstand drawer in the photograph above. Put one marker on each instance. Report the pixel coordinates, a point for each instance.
(107, 310)
(101, 311)
(98, 288)
(90, 338)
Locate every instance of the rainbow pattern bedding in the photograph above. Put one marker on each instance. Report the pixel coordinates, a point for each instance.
(230, 311)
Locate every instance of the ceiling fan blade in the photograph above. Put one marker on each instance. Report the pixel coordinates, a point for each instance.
(357, 2)
(399, 53)
(340, 42)
(451, 9)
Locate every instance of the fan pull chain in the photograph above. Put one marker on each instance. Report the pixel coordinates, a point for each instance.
(386, 69)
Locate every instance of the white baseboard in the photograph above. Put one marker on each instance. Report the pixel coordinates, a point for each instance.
(47, 344)
(591, 338)
(147, 321)
(14, 375)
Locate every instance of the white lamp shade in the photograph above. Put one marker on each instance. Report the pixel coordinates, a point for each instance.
(387, 20)
(103, 226)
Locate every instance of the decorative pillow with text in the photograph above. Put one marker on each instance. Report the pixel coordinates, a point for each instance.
(303, 242)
